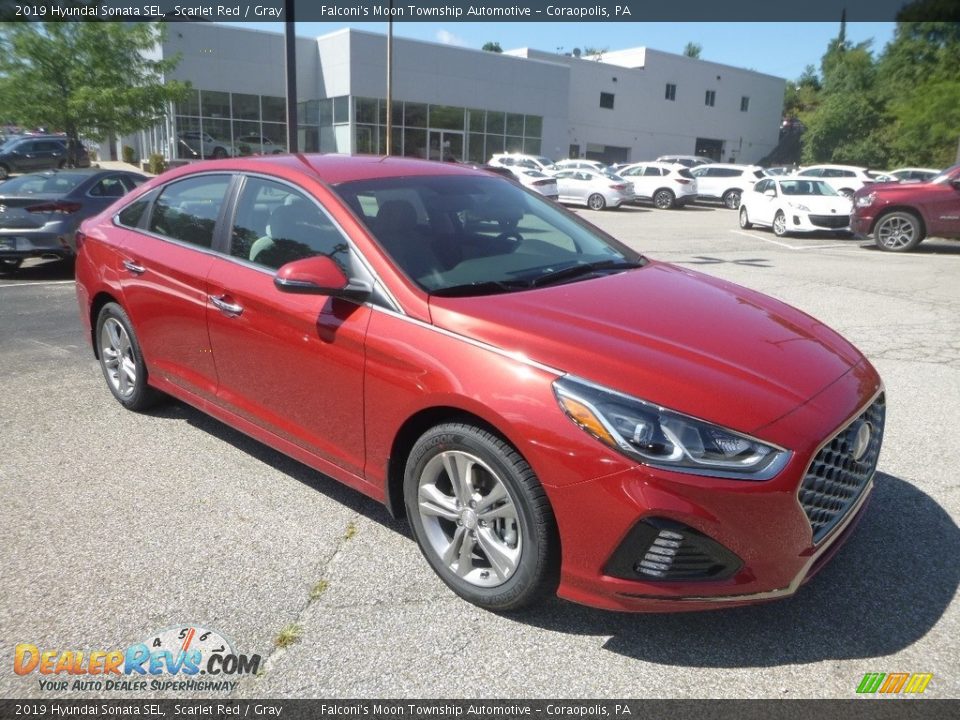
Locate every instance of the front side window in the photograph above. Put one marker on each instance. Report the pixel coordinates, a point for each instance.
(466, 235)
(187, 210)
(276, 224)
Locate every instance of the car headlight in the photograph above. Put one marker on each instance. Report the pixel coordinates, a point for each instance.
(799, 206)
(866, 200)
(663, 438)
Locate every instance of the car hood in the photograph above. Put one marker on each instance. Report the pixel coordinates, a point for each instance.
(671, 336)
(822, 205)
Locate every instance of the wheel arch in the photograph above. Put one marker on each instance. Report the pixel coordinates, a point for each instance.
(408, 434)
(96, 305)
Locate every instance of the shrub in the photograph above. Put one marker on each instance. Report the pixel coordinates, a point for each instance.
(157, 164)
(128, 155)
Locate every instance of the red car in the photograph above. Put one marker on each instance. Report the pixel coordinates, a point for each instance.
(552, 411)
(901, 215)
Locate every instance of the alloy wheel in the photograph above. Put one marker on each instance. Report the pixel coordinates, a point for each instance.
(469, 518)
(119, 361)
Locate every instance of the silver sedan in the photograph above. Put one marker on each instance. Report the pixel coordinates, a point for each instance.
(596, 190)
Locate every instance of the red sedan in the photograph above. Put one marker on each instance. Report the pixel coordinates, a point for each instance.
(552, 411)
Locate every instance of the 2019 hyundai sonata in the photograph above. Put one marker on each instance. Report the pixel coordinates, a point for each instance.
(551, 410)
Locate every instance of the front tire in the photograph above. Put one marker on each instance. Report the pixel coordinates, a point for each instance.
(664, 199)
(122, 360)
(731, 199)
(596, 202)
(481, 517)
(744, 220)
(219, 153)
(780, 224)
(899, 231)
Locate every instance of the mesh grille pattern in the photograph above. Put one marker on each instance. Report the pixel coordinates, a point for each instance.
(835, 478)
(830, 221)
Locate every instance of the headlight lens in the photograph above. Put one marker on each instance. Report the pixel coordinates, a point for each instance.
(800, 206)
(866, 200)
(663, 438)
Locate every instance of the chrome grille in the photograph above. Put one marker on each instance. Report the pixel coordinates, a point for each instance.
(835, 479)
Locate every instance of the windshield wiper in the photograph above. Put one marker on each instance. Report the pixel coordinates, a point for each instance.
(575, 271)
(484, 287)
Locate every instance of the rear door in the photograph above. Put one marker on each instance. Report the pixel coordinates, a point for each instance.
(165, 261)
(941, 205)
(292, 364)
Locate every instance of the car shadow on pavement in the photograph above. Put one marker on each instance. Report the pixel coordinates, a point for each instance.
(883, 591)
(331, 488)
(931, 246)
(42, 270)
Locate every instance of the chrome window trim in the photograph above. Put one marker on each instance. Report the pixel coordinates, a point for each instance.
(115, 220)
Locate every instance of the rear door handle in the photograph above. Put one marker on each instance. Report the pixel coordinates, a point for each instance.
(226, 307)
(134, 268)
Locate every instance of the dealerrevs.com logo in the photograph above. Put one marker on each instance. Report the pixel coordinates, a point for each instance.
(185, 658)
(894, 683)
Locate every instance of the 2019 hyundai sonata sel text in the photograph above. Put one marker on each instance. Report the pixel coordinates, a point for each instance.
(552, 411)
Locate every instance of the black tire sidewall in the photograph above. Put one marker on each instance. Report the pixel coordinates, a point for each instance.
(143, 396)
(532, 578)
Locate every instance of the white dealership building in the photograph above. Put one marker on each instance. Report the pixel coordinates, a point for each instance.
(458, 103)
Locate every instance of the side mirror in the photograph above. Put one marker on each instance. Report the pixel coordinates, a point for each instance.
(319, 275)
(956, 183)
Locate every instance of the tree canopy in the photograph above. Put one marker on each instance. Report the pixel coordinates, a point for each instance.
(899, 108)
(492, 47)
(693, 50)
(87, 79)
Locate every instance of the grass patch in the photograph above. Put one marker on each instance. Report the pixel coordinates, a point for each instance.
(288, 636)
(350, 531)
(319, 589)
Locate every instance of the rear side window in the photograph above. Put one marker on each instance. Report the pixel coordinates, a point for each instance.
(132, 214)
(112, 186)
(685, 173)
(187, 210)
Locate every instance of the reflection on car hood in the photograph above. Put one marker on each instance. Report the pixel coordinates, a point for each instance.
(824, 205)
(666, 334)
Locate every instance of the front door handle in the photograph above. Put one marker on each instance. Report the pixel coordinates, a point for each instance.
(134, 268)
(226, 307)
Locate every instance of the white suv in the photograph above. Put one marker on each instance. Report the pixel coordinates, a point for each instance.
(726, 182)
(668, 185)
(845, 179)
(518, 161)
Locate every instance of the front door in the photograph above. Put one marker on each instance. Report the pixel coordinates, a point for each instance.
(291, 364)
(446, 145)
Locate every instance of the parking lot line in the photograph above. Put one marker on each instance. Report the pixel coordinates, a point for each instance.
(38, 284)
(789, 247)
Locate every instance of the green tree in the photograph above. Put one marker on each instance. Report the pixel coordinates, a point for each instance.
(492, 47)
(693, 50)
(920, 85)
(89, 79)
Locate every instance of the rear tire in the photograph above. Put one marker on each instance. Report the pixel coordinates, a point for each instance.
(219, 153)
(731, 199)
(744, 220)
(596, 202)
(122, 360)
(481, 518)
(664, 199)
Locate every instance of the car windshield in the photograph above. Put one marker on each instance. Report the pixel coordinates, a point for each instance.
(467, 235)
(944, 175)
(59, 183)
(806, 187)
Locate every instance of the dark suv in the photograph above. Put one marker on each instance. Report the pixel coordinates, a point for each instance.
(40, 152)
(901, 215)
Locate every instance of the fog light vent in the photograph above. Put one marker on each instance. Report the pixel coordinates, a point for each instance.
(661, 549)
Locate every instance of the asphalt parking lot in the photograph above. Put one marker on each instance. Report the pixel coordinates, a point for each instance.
(114, 526)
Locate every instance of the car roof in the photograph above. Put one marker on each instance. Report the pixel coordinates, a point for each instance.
(834, 167)
(330, 168)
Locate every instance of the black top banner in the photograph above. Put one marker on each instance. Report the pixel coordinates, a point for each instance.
(375, 11)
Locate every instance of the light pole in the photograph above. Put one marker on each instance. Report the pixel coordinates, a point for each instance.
(290, 43)
(389, 150)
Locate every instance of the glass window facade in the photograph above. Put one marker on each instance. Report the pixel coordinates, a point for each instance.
(212, 123)
(419, 129)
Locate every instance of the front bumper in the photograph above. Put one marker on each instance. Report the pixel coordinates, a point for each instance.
(762, 525)
(805, 222)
